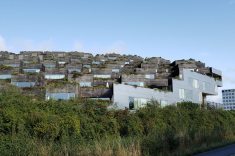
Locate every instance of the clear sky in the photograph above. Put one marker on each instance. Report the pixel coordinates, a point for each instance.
(173, 29)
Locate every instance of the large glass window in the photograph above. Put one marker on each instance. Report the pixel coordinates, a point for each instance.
(85, 84)
(140, 102)
(139, 84)
(115, 70)
(181, 93)
(195, 83)
(136, 103)
(149, 76)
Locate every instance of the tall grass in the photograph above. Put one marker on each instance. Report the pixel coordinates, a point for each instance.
(84, 127)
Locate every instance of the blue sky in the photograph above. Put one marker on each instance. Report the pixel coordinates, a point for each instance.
(173, 29)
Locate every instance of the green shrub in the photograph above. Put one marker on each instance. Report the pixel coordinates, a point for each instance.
(86, 127)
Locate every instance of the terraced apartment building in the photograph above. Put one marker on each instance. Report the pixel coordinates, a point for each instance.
(128, 81)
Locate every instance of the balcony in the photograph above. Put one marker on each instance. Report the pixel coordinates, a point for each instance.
(216, 72)
(219, 83)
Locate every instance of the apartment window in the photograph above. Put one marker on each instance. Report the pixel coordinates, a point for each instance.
(140, 102)
(115, 70)
(136, 103)
(149, 76)
(181, 93)
(131, 102)
(85, 84)
(103, 76)
(139, 84)
(195, 83)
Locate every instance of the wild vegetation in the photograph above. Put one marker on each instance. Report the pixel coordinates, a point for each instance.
(30, 126)
(3, 67)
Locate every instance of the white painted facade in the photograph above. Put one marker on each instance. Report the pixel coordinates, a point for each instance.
(192, 87)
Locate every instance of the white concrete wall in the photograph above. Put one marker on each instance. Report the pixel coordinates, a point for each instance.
(122, 92)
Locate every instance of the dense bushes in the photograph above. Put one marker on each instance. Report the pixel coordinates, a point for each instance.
(185, 129)
(83, 127)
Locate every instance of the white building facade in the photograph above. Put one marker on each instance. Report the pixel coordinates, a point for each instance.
(192, 86)
(228, 99)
